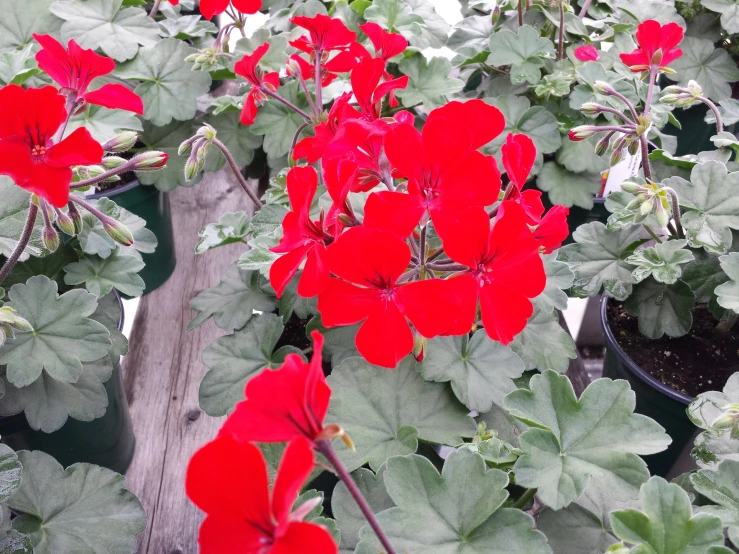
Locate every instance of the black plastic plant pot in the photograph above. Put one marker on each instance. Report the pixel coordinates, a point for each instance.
(108, 441)
(654, 399)
(151, 205)
(695, 134)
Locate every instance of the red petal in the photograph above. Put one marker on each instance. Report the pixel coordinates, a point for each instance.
(295, 467)
(79, 148)
(404, 149)
(637, 58)
(519, 155)
(343, 303)
(433, 306)
(115, 96)
(247, 6)
(504, 311)
(247, 65)
(484, 121)
(649, 36)
(209, 8)
(466, 241)
(343, 62)
(315, 277)
(302, 182)
(229, 535)
(365, 78)
(463, 291)
(553, 228)
(586, 53)
(385, 337)
(15, 160)
(445, 143)
(285, 267)
(50, 183)
(54, 60)
(396, 212)
(249, 111)
(530, 201)
(34, 114)
(227, 479)
(387, 45)
(387, 86)
(473, 181)
(300, 535)
(326, 33)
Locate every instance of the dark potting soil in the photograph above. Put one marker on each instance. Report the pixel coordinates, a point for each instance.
(703, 360)
(294, 334)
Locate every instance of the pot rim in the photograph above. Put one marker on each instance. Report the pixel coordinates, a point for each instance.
(633, 367)
(115, 192)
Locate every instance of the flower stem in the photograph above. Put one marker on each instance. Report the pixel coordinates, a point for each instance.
(584, 10)
(103, 176)
(561, 40)
(22, 242)
(286, 102)
(446, 267)
(625, 100)
(716, 112)
(422, 247)
(520, 13)
(295, 137)
(618, 113)
(651, 232)
(650, 92)
(312, 104)
(237, 172)
(155, 8)
(525, 497)
(645, 157)
(325, 448)
(674, 201)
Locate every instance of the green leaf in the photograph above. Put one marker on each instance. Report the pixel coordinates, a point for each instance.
(429, 82)
(63, 335)
(108, 313)
(729, 11)
(84, 509)
(703, 275)
(394, 15)
(598, 259)
(278, 123)
(267, 220)
(481, 370)
(167, 139)
(386, 412)
(661, 261)
(276, 56)
(10, 472)
(525, 52)
(543, 344)
(662, 309)
(17, 66)
(729, 110)
(575, 441)
(579, 156)
(722, 488)
(456, 511)
(169, 88)
(186, 27)
(48, 403)
(339, 342)
(348, 515)
(470, 37)
(238, 138)
(559, 279)
(292, 303)
(103, 123)
(567, 188)
(583, 527)
(232, 302)
(258, 257)
(231, 227)
(234, 359)
(22, 19)
(666, 525)
(711, 199)
(711, 67)
(714, 445)
(13, 211)
(434, 30)
(103, 24)
(728, 293)
(102, 275)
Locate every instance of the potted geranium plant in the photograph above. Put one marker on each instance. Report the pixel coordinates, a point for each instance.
(664, 255)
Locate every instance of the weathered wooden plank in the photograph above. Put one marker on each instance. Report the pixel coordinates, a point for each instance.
(163, 369)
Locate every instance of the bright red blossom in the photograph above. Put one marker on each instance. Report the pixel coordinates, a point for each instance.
(368, 263)
(367, 87)
(343, 62)
(210, 8)
(285, 403)
(260, 82)
(518, 154)
(228, 480)
(552, 229)
(74, 69)
(313, 148)
(505, 270)
(386, 45)
(324, 34)
(657, 46)
(587, 53)
(302, 239)
(29, 119)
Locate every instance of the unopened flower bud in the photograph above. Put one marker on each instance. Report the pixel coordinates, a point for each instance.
(616, 156)
(590, 108)
(208, 132)
(646, 208)
(633, 147)
(636, 202)
(632, 188)
(122, 142)
(191, 168)
(76, 217)
(90, 171)
(694, 88)
(419, 347)
(603, 88)
(117, 231)
(293, 67)
(192, 57)
(65, 223)
(581, 132)
(663, 217)
(657, 58)
(672, 89)
(602, 146)
(669, 99)
(495, 15)
(150, 161)
(50, 238)
(186, 146)
(112, 162)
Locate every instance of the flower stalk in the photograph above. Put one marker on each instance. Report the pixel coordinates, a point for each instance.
(22, 242)
(237, 172)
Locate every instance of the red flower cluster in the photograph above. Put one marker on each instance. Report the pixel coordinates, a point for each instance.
(657, 46)
(227, 478)
(210, 8)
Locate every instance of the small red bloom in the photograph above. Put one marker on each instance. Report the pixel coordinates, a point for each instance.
(518, 156)
(339, 174)
(325, 34)
(259, 81)
(209, 8)
(552, 229)
(313, 148)
(75, 69)
(367, 87)
(656, 46)
(343, 62)
(302, 239)
(369, 263)
(587, 53)
(228, 480)
(29, 119)
(505, 270)
(387, 45)
(283, 404)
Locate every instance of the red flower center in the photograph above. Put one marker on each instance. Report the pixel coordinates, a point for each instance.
(38, 151)
(483, 274)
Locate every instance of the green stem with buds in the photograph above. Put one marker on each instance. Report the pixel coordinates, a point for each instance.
(674, 203)
(237, 172)
(103, 176)
(22, 242)
(324, 447)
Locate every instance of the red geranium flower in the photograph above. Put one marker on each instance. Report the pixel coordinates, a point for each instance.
(387, 46)
(339, 174)
(445, 171)
(343, 62)
(228, 480)
(209, 8)
(313, 148)
(29, 119)
(586, 53)
(552, 229)
(259, 81)
(302, 239)
(75, 69)
(656, 46)
(284, 403)
(369, 263)
(518, 154)
(325, 34)
(367, 87)
(505, 270)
